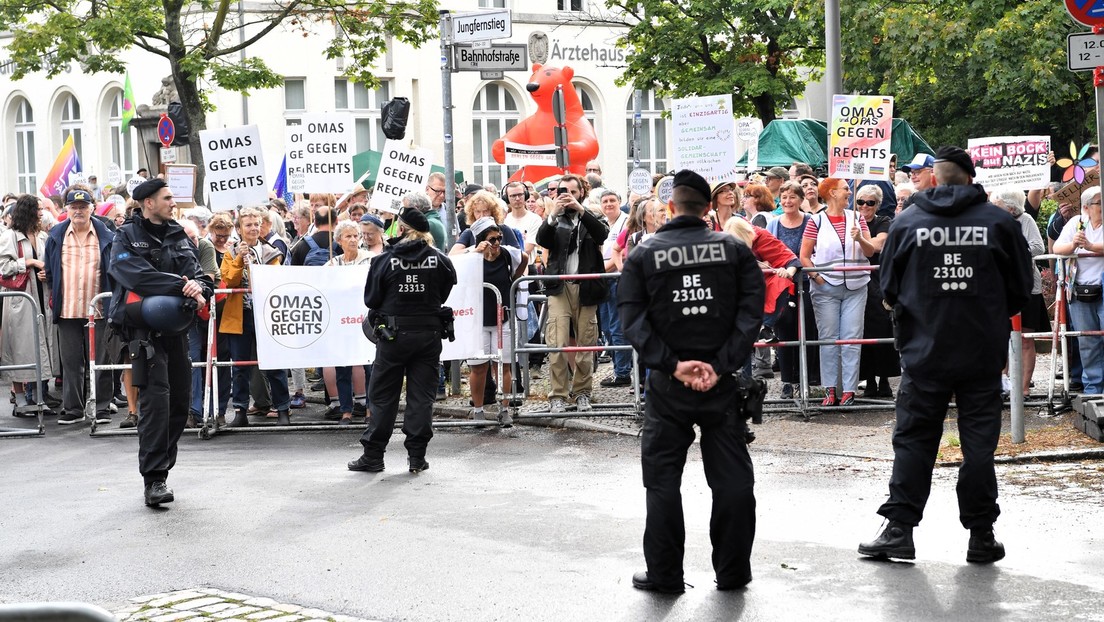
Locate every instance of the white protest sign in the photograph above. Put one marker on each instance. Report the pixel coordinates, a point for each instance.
(1011, 161)
(705, 136)
(114, 175)
(77, 177)
(664, 189)
(311, 315)
(466, 300)
(748, 130)
(859, 135)
(402, 170)
(320, 153)
(234, 167)
(518, 154)
(640, 181)
(133, 183)
(181, 180)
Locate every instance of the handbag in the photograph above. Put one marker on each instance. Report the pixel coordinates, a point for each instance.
(16, 282)
(1088, 293)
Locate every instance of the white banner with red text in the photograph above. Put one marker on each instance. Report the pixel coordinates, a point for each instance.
(310, 316)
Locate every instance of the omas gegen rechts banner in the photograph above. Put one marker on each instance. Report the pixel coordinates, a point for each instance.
(310, 316)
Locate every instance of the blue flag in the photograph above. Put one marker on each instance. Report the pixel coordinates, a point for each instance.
(280, 187)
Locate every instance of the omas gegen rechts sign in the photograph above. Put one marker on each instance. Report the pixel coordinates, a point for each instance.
(295, 314)
(234, 165)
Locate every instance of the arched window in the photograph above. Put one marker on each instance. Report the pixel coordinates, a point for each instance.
(26, 179)
(495, 111)
(589, 101)
(122, 145)
(653, 133)
(71, 123)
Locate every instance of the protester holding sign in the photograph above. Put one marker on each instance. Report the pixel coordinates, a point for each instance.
(238, 322)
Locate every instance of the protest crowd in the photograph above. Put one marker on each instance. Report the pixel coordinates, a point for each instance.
(798, 223)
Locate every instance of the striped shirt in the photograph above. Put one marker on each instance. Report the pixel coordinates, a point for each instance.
(80, 272)
(839, 223)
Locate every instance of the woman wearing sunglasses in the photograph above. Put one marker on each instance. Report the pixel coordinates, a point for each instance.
(877, 363)
(500, 263)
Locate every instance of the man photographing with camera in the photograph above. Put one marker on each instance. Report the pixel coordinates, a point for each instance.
(573, 236)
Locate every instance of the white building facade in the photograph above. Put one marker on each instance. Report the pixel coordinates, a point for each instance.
(37, 114)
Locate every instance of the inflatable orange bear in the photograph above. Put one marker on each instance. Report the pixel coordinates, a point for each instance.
(537, 129)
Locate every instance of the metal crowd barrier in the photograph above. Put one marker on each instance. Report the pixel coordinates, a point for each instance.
(40, 393)
(522, 350)
(210, 426)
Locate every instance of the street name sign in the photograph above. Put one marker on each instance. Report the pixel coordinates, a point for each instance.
(505, 57)
(482, 26)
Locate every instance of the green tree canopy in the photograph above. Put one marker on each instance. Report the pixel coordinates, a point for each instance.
(968, 69)
(762, 52)
(201, 40)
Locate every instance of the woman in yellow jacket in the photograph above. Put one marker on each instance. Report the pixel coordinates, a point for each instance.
(237, 319)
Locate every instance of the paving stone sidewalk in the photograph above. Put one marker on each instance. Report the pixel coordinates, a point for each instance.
(211, 604)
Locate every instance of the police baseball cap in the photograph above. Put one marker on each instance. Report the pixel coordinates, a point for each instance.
(956, 155)
(690, 179)
(147, 189)
(919, 161)
(78, 196)
(414, 219)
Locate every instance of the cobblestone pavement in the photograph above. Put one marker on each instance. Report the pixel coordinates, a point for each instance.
(209, 604)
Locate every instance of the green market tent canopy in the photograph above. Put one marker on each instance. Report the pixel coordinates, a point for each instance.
(785, 141)
(370, 161)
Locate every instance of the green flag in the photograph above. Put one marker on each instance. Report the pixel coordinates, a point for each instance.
(128, 104)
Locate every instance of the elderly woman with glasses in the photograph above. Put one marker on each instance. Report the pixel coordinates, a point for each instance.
(838, 238)
(879, 362)
(1083, 235)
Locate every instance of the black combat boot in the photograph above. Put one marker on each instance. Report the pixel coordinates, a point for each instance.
(241, 419)
(983, 547)
(894, 542)
(283, 417)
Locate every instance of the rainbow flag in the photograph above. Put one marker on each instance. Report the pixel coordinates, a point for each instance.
(128, 104)
(67, 163)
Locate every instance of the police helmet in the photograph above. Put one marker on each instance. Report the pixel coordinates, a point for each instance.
(164, 314)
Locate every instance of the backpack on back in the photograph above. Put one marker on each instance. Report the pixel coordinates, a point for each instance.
(316, 256)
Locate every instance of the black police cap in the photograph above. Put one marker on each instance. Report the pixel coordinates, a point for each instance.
(414, 219)
(147, 189)
(690, 179)
(956, 155)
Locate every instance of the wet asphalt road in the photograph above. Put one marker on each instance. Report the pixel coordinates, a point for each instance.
(520, 524)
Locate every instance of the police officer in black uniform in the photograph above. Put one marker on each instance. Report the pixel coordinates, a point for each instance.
(954, 268)
(406, 288)
(691, 303)
(151, 256)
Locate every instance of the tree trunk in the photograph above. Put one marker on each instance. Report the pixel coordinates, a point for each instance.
(764, 107)
(188, 91)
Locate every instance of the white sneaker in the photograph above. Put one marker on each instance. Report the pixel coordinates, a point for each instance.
(556, 405)
(477, 414)
(582, 404)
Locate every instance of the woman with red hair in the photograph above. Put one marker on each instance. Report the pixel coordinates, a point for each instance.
(838, 237)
